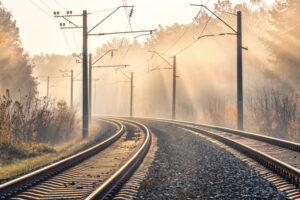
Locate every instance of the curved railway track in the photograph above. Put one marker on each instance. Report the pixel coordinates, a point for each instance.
(95, 173)
(280, 156)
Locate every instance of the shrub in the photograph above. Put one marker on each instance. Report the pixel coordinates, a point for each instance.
(274, 112)
(30, 125)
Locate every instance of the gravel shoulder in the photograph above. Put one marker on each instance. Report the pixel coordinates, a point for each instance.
(187, 166)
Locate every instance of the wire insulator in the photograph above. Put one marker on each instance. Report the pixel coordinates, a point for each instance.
(131, 12)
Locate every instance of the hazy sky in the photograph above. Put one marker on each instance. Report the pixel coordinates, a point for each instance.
(40, 32)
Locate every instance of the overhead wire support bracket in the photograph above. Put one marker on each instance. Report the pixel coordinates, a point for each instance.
(219, 18)
(111, 50)
(71, 22)
(108, 17)
(62, 25)
(154, 52)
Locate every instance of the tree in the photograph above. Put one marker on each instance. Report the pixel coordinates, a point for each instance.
(15, 65)
(284, 43)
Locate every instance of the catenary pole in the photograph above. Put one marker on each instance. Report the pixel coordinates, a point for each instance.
(85, 118)
(71, 94)
(174, 89)
(131, 94)
(90, 86)
(239, 72)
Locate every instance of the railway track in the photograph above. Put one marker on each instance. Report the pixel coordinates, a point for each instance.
(95, 173)
(280, 156)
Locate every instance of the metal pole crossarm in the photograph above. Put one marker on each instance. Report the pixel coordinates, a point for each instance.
(104, 55)
(108, 16)
(67, 15)
(70, 27)
(106, 66)
(124, 32)
(213, 35)
(162, 58)
(65, 18)
(215, 16)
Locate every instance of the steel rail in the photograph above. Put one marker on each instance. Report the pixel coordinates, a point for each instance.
(286, 171)
(113, 184)
(267, 139)
(26, 181)
(271, 140)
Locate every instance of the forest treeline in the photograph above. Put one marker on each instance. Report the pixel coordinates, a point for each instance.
(29, 125)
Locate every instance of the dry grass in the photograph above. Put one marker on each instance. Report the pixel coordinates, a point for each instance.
(18, 166)
(29, 127)
(34, 132)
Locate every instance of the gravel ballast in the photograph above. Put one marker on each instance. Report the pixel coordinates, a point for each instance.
(187, 166)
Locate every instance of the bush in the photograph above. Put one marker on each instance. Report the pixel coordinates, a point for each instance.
(274, 112)
(29, 126)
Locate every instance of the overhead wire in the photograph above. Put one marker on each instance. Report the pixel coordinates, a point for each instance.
(64, 36)
(67, 42)
(45, 12)
(36, 5)
(178, 39)
(59, 4)
(73, 36)
(129, 24)
(185, 31)
(46, 5)
(99, 11)
(127, 15)
(201, 34)
(192, 43)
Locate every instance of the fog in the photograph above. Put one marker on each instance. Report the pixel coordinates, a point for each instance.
(206, 69)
